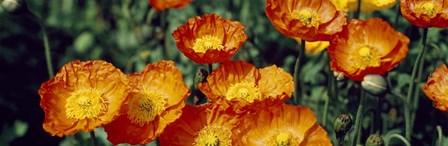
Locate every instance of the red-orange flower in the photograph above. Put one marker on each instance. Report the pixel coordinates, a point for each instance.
(160, 5)
(209, 39)
(82, 96)
(244, 87)
(425, 13)
(202, 126)
(367, 47)
(311, 20)
(436, 88)
(156, 98)
(282, 125)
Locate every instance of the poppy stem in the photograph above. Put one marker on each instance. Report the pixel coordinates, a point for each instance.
(45, 41)
(296, 73)
(409, 107)
(399, 137)
(210, 68)
(92, 135)
(397, 16)
(358, 10)
(358, 119)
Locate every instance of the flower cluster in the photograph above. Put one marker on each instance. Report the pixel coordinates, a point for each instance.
(246, 104)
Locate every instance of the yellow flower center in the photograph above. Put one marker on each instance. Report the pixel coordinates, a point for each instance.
(366, 57)
(428, 8)
(213, 136)
(244, 90)
(145, 106)
(207, 42)
(307, 18)
(85, 104)
(282, 139)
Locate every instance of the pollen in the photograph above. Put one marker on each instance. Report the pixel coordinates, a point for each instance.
(213, 135)
(145, 106)
(307, 18)
(428, 8)
(207, 42)
(244, 90)
(283, 139)
(366, 57)
(85, 104)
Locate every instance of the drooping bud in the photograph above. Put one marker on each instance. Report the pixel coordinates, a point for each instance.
(14, 6)
(375, 140)
(342, 125)
(374, 84)
(199, 77)
(339, 76)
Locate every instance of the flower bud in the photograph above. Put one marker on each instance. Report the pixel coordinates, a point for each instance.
(374, 84)
(342, 124)
(339, 76)
(375, 140)
(14, 6)
(201, 76)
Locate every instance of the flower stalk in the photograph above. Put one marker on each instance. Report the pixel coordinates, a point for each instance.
(358, 119)
(296, 72)
(409, 108)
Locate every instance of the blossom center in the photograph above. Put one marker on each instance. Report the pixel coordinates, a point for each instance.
(366, 57)
(306, 17)
(207, 42)
(244, 90)
(85, 104)
(283, 139)
(213, 136)
(428, 8)
(145, 106)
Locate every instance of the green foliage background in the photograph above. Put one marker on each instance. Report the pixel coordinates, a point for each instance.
(130, 34)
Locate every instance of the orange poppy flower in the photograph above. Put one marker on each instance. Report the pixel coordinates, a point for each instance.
(201, 125)
(367, 47)
(209, 39)
(156, 98)
(311, 20)
(160, 5)
(82, 96)
(436, 88)
(425, 13)
(282, 125)
(244, 87)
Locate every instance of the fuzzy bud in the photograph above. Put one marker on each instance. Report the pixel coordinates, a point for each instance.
(374, 84)
(339, 76)
(14, 6)
(375, 140)
(342, 124)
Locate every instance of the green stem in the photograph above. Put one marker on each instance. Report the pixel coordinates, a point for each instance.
(358, 10)
(437, 141)
(399, 137)
(332, 92)
(210, 68)
(92, 135)
(45, 41)
(358, 119)
(296, 73)
(397, 16)
(409, 108)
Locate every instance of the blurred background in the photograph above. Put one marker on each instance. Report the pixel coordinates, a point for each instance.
(130, 34)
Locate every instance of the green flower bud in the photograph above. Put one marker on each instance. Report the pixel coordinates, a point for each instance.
(14, 6)
(201, 76)
(375, 140)
(374, 84)
(339, 76)
(342, 124)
